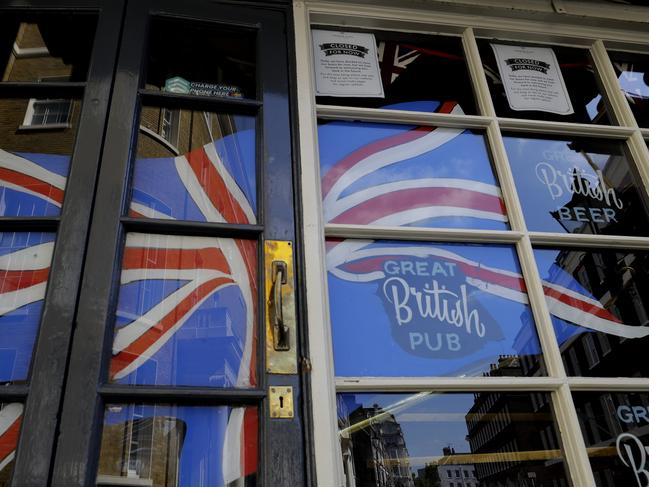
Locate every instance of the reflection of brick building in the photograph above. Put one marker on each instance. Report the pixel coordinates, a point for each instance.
(142, 452)
(376, 454)
(38, 125)
(519, 427)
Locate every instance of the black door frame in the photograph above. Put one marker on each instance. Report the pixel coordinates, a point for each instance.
(42, 394)
(86, 390)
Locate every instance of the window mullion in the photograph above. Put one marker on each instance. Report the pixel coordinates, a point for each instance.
(574, 447)
(616, 99)
(323, 400)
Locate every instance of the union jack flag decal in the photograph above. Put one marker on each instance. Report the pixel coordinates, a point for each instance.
(370, 181)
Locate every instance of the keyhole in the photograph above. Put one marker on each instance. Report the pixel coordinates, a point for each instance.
(281, 402)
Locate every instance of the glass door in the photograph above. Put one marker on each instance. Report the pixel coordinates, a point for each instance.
(56, 68)
(183, 367)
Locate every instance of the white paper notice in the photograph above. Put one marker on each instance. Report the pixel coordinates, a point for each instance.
(532, 79)
(346, 64)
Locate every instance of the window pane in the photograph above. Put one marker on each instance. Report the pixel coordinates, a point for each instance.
(11, 415)
(497, 438)
(598, 301)
(578, 75)
(404, 175)
(576, 185)
(24, 267)
(34, 164)
(614, 426)
(201, 58)
(176, 446)
(50, 46)
(423, 309)
(419, 73)
(186, 312)
(195, 165)
(633, 75)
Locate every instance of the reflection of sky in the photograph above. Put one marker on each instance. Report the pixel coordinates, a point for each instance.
(428, 425)
(525, 155)
(631, 82)
(364, 332)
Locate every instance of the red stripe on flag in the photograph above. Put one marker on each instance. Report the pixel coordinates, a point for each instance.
(250, 441)
(32, 184)
(139, 347)
(248, 251)
(406, 199)
(580, 305)
(161, 258)
(215, 187)
(375, 264)
(9, 439)
(14, 280)
(431, 52)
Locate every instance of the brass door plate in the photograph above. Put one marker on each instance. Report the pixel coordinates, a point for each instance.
(281, 402)
(282, 361)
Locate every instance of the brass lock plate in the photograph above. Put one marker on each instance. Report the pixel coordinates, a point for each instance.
(281, 402)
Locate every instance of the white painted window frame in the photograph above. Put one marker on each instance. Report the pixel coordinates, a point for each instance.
(436, 19)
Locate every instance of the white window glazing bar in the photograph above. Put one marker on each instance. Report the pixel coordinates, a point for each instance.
(323, 393)
(420, 233)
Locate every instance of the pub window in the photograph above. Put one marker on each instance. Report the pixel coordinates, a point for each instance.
(509, 169)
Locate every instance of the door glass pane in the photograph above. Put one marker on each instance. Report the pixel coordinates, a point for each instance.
(201, 58)
(36, 141)
(600, 309)
(615, 429)
(578, 75)
(11, 415)
(576, 185)
(425, 309)
(418, 73)
(178, 446)
(24, 268)
(404, 175)
(485, 439)
(50, 46)
(186, 312)
(633, 75)
(195, 165)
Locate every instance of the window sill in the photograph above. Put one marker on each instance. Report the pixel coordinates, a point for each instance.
(50, 126)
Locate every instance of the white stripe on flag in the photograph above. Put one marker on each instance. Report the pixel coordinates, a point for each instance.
(25, 166)
(232, 462)
(31, 258)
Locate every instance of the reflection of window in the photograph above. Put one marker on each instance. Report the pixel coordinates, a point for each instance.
(169, 122)
(591, 352)
(48, 113)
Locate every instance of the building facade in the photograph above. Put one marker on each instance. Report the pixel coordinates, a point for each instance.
(366, 244)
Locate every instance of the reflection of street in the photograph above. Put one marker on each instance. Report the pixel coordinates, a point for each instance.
(375, 455)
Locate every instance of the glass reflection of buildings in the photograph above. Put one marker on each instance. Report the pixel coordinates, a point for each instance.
(141, 451)
(514, 427)
(374, 455)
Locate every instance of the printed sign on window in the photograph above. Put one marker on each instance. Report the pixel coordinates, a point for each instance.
(532, 79)
(346, 64)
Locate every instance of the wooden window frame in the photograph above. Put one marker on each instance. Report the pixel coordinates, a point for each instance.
(554, 28)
